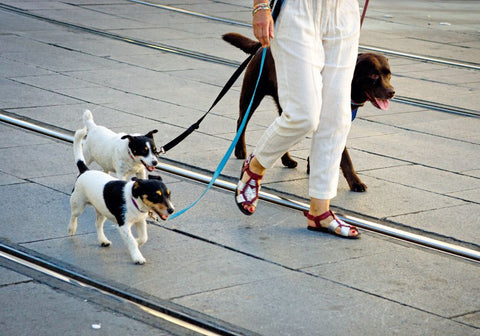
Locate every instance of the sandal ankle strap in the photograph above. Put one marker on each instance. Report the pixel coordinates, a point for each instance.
(246, 168)
(318, 218)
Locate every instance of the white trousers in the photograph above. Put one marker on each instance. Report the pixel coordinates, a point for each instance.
(315, 50)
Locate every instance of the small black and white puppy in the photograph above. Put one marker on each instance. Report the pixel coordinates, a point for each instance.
(123, 154)
(126, 203)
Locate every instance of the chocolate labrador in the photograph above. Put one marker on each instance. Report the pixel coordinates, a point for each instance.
(371, 82)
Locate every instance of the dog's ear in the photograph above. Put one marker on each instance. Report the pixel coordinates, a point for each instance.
(150, 134)
(129, 137)
(136, 188)
(155, 177)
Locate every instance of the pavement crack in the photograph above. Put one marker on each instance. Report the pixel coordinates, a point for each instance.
(16, 283)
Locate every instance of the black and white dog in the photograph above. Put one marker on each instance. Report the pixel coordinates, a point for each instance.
(119, 153)
(126, 203)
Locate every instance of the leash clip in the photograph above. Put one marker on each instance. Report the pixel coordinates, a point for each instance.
(161, 151)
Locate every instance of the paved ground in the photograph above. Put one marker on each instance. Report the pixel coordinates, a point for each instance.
(265, 273)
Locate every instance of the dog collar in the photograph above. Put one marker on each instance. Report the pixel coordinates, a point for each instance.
(136, 205)
(130, 154)
(355, 108)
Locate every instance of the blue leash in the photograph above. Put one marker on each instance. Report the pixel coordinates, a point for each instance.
(228, 154)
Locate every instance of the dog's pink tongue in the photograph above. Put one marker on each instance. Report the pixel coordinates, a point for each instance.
(383, 104)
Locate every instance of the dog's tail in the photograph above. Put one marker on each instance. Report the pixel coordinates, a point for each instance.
(246, 44)
(88, 119)
(78, 149)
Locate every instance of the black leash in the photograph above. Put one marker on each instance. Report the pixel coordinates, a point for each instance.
(275, 6)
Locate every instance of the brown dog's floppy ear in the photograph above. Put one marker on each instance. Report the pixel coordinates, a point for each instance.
(129, 137)
(150, 134)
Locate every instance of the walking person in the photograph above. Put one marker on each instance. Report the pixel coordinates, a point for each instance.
(315, 46)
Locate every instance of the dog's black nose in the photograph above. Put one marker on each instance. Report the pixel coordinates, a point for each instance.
(390, 93)
(154, 163)
(170, 211)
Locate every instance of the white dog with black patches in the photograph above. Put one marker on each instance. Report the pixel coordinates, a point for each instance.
(122, 202)
(123, 154)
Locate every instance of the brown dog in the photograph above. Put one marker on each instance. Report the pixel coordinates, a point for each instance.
(371, 81)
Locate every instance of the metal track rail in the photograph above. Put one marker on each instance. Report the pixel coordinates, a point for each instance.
(166, 312)
(364, 224)
(436, 106)
(219, 60)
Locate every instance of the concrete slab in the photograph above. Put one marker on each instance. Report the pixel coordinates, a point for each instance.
(37, 213)
(52, 163)
(402, 280)
(18, 95)
(47, 310)
(457, 222)
(320, 308)
(196, 266)
(8, 277)
(426, 178)
(14, 69)
(423, 149)
(11, 137)
(396, 199)
(6, 179)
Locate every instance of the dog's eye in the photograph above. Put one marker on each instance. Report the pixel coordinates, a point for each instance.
(374, 76)
(143, 151)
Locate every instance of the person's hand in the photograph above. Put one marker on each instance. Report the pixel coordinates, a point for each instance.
(262, 23)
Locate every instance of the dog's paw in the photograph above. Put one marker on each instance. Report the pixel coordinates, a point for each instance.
(140, 261)
(358, 187)
(288, 162)
(138, 258)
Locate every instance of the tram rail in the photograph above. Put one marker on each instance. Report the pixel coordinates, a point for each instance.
(385, 230)
(165, 311)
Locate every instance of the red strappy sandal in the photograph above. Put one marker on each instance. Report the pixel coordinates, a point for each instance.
(345, 229)
(247, 192)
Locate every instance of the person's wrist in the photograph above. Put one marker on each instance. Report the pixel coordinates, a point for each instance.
(259, 7)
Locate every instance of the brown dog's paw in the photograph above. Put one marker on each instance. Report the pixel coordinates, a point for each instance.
(288, 162)
(358, 186)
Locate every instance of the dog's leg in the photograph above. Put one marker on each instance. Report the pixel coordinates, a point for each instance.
(103, 240)
(245, 98)
(77, 204)
(131, 242)
(351, 176)
(141, 228)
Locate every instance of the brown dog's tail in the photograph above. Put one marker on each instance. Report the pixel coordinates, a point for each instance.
(249, 46)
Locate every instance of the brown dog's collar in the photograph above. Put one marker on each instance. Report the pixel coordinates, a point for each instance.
(357, 104)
